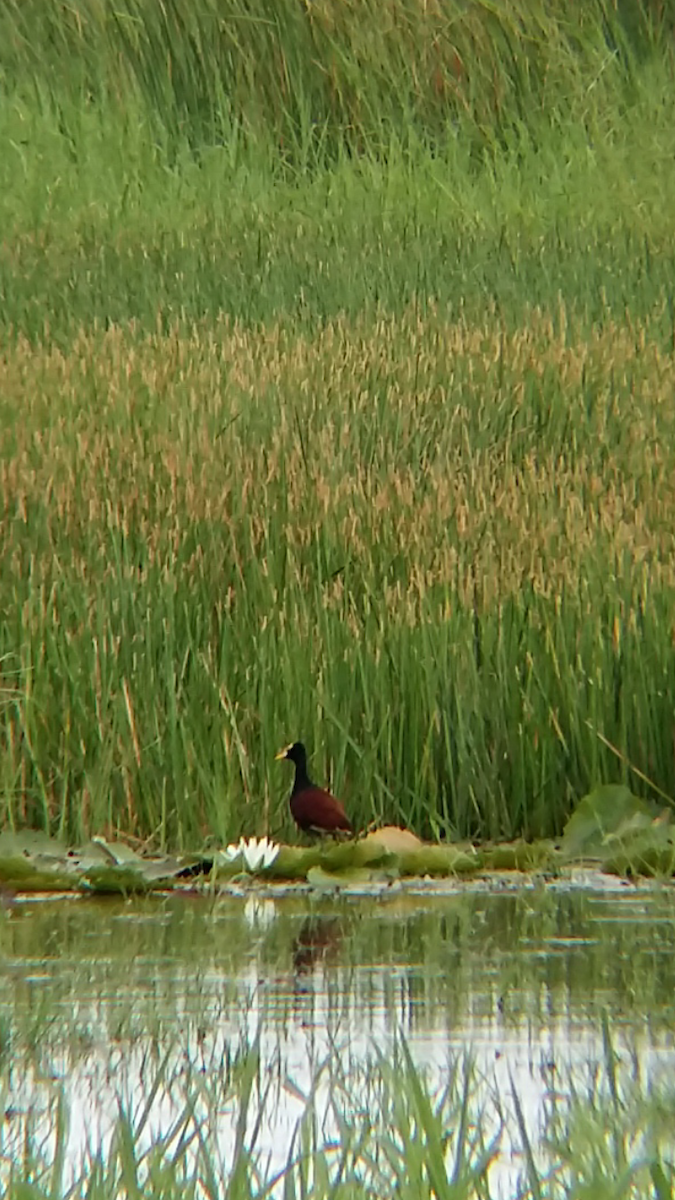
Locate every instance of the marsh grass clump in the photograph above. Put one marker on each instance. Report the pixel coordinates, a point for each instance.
(165, 162)
(454, 573)
(342, 342)
(325, 78)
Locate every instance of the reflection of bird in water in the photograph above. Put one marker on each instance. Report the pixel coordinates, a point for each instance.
(314, 810)
(317, 938)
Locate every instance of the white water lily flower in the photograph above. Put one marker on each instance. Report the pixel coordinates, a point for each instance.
(256, 852)
(259, 852)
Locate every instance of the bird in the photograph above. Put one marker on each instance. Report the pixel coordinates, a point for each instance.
(313, 809)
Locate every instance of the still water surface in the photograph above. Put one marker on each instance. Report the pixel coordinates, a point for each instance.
(95, 995)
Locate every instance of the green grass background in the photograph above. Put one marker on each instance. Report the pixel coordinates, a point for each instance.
(233, 235)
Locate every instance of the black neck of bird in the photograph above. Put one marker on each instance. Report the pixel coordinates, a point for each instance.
(302, 779)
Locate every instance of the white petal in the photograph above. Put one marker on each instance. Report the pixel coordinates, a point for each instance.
(252, 854)
(271, 852)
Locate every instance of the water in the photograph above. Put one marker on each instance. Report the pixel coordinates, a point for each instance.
(97, 998)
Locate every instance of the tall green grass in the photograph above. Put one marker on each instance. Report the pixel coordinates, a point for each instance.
(337, 342)
(171, 161)
(439, 553)
(329, 75)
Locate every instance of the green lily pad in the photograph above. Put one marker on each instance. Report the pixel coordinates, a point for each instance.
(518, 856)
(29, 842)
(605, 811)
(115, 880)
(642, 851)
(26, 876)
(293, 862)
(117, 853)
(447, 859)
(160, 868)
(34, 862)
(360, 854)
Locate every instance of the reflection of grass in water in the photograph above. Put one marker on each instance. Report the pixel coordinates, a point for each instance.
(120, 971)
(124, 979)
(384, 1131)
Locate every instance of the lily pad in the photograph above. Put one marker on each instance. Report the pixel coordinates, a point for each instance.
(440, 860)
(34, 862)
(117, 880)
(642, 851)
(117, 853)
(29, 842)
(26, 876)
(519, 856)
(293, 862)
(603, 812)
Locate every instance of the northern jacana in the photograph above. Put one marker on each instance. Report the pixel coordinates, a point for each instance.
(313, 809)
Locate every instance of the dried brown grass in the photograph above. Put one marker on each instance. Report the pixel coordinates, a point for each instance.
(471, 455)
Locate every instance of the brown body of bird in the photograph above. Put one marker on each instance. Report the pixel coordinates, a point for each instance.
(313, 809)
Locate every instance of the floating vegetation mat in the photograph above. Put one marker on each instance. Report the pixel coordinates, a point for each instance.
(611, 831)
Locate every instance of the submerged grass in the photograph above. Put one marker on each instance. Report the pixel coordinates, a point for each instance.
(379, 1131)
(219, 1046)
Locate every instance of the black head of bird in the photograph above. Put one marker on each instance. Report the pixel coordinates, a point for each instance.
(313, 809)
